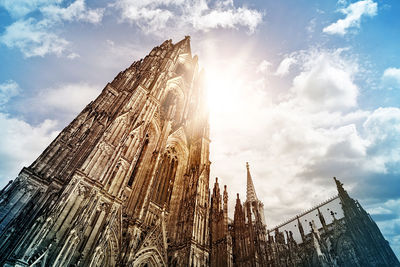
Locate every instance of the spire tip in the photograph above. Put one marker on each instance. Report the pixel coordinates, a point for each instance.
(251, 191)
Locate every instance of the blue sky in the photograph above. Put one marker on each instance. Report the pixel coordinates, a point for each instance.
(303, 90)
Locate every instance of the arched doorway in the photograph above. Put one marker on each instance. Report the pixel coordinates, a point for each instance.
(148, 257)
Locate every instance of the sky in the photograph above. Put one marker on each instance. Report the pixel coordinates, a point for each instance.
(303, 90)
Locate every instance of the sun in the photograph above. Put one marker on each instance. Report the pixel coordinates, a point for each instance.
(224, 86)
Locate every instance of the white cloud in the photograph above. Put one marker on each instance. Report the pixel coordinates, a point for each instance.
(73, 55)
(391, 77)
(311, 26)
(342, 2)
(149, 20)
(37, 37)
(21, 143)
(66, 99)
(8, 90)
(153, 15)
(20, 8)
(382, 130)
(326, 82)
(354, 12)
(264, 67)
(227, 19)
(33, 38)
(284, 66)
(76, 11)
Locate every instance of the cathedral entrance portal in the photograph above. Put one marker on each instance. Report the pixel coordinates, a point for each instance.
(150, 257)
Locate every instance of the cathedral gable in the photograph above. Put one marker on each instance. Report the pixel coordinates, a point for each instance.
(153, 249)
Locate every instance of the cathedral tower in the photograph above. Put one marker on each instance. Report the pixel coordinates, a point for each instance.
(126, 182)
(250, 244)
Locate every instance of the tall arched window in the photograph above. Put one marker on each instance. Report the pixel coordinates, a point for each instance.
(138, 162)
(165, 180)
(171, 107)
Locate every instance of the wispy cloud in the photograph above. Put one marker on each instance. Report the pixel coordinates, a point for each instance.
(154, 16)
(284, 66)
(21, 143)
(326, 81)
(37, 37)
(60, 102)
(21, 8)
(264, 67)
(33, 38)
(8, 90)
(391, 77)
(354, 12)
(76, 11)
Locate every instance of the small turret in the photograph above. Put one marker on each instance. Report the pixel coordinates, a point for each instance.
(238, 202)
(322, 219)
(216, 196)
(301, 230)
(238, 215)
(225, 206)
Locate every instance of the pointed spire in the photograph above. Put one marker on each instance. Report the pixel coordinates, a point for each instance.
(225, 195)
(342, 192)
(339, 185)
(216, 196)
(225, 207)
(251, 192)
(216, 187)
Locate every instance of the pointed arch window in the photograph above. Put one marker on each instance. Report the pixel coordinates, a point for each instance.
(138, 162)
(165, 180)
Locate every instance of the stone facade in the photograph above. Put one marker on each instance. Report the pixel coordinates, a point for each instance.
(126, 183)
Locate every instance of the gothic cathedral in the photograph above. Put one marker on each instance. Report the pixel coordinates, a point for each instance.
(126, 183)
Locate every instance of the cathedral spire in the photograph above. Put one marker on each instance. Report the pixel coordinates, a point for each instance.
(344, 196)
(251, 192)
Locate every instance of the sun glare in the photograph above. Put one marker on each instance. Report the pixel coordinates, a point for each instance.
(222, 90)
(225, 84)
